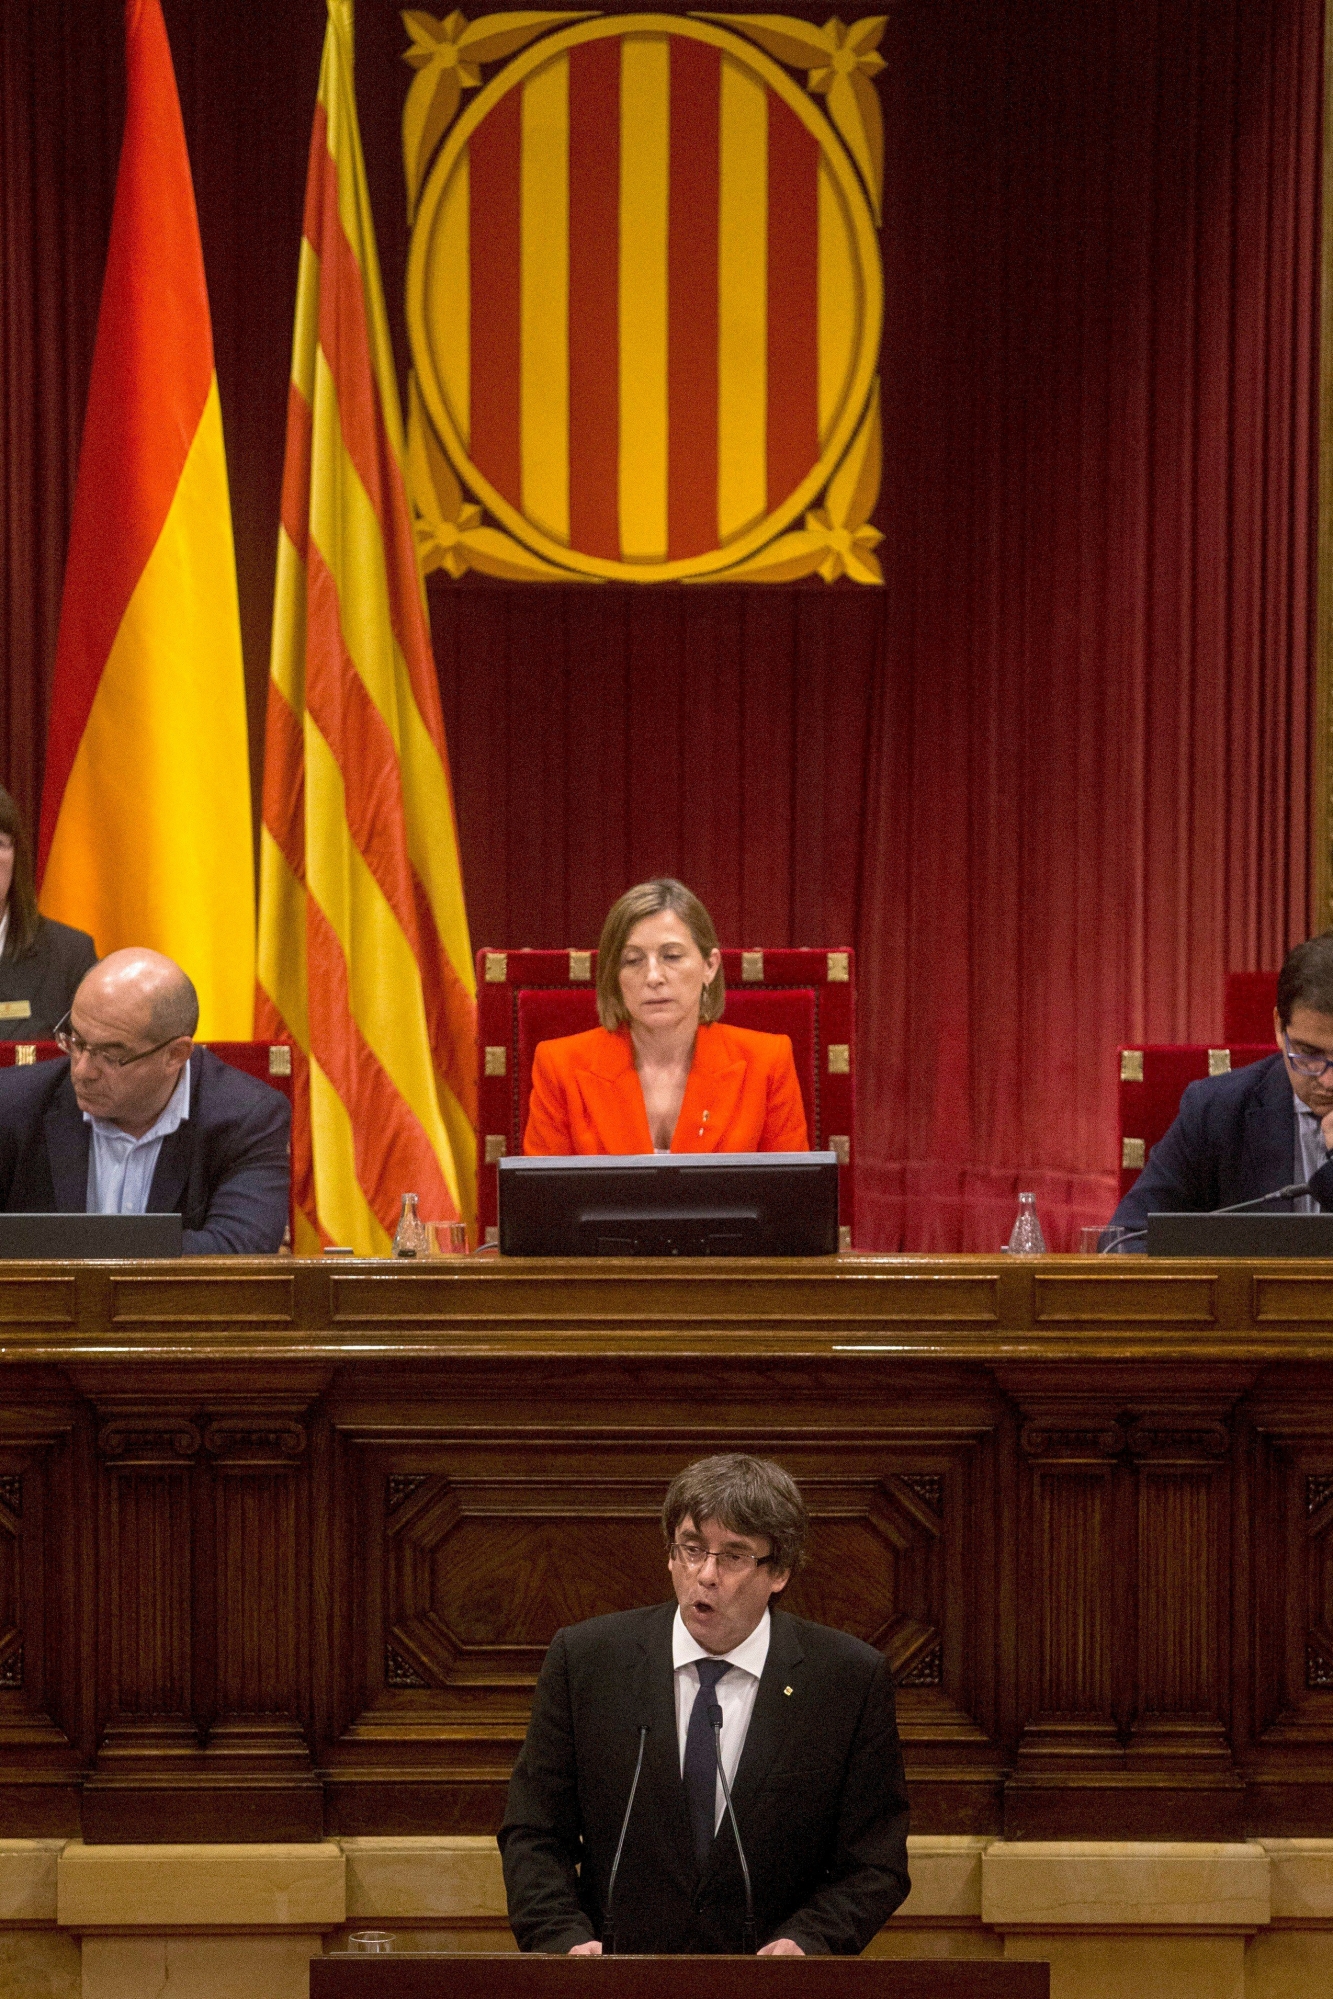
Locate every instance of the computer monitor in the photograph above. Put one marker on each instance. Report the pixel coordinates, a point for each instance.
(76, 1238)
(672, 1204)
(1240, 1235)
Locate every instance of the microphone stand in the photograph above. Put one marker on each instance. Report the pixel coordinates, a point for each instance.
(1278, 1194)
(1291, 1193)
(749, 1936)
(608, 1925)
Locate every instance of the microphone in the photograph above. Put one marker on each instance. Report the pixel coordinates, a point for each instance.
(749, 1936)
(1279, 1194)
(1291, 1193)
(608, 1921)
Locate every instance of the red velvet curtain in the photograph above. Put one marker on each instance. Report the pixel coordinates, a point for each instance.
(1055, 779)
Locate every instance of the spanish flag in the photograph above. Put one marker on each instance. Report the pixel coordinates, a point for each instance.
(364, 959)
(146, 833)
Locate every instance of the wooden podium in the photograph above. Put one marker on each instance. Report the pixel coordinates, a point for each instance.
(405, 1975)
(283, 1541)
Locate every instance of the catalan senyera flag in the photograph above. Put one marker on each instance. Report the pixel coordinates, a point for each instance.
(146, 834)
(364, 958)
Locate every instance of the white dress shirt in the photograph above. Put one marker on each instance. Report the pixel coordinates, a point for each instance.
(120, 1167)
(1311, 1154)
(735, 1692)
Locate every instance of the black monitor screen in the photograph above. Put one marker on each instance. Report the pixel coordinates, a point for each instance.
(672, 1204)
(1240, 1235)
(78, 1236)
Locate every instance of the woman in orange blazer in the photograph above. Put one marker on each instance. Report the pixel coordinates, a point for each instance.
(663, 1073)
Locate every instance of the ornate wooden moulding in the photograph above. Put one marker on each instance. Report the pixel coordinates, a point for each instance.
(282, 1544)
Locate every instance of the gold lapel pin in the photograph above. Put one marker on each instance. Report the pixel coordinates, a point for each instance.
(786, 1690)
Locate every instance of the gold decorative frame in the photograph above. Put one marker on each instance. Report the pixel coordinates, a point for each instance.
(451, 497)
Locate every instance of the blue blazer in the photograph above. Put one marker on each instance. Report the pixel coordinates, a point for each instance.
(225, 1171)
(1234, 1138)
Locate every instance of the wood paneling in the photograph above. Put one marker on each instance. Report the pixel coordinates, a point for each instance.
(281, 1547)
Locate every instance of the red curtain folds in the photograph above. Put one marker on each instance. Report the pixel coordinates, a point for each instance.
(1053, 781)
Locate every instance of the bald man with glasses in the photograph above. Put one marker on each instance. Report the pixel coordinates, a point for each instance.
(1241, 1135)
(137, 1120)
(632, 1716)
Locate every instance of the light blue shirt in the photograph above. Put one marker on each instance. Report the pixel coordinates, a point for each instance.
(1311, 1154)
(121, 1168)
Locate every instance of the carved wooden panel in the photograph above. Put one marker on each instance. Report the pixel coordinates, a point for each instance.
(1290, 1725)
(1074, 1560)
(1125, 1662)
(468, 1554)
(44, 1712)
(204, 1626)
(281, 1547)
(1178, 1629)
(147, 1602)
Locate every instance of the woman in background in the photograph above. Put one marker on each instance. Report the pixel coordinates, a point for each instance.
(41, 962)
(663, 1073)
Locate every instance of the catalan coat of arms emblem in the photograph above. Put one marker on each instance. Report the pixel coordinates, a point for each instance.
(644, 295)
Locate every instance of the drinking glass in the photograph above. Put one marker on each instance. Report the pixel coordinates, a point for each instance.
(1103, 1240)
(446, 1238)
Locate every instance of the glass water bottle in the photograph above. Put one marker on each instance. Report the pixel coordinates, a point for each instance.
(1027, 1238)
(410, 1237)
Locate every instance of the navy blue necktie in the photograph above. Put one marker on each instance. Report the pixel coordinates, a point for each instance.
(701, 1757)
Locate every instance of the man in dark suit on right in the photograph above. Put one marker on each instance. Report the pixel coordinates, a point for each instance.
(1256, 1129)
(805, 1732)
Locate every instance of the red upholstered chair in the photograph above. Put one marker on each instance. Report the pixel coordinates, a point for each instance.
(1248, 1010)
(1151, 1082)
(271, 1061)
(524, 997)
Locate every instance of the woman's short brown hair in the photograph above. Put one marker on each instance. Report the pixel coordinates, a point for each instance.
(24, 920)
(747, 1495)
(650, 899)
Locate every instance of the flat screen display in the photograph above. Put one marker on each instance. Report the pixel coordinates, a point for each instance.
(85, 1237)
(1240, 1235)
(672, 1204)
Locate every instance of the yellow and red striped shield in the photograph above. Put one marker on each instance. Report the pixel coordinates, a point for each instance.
(644, 297)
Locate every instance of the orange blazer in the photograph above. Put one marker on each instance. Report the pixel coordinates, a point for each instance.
(742, 1096)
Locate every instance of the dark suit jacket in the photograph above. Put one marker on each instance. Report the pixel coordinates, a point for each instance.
(819, 1797)
(225, 1170)
(47, 979)
(1234, 1138)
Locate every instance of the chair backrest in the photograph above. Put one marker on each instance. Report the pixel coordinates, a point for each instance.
(1248, 1007)
(270, 1061)
(1151, 1083)
(524, 997)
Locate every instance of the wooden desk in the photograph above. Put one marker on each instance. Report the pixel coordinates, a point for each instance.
(401, 1976)
(282, 1543)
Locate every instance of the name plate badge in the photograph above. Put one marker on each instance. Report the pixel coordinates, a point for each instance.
(15, 1010)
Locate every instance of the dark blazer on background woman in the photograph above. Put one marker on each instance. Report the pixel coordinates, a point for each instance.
(37, 990)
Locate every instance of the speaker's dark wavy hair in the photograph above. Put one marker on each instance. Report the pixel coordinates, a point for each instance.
(24, 919)
(748, 1496)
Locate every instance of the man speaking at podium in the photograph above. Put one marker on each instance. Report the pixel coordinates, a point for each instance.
(618, 1834)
